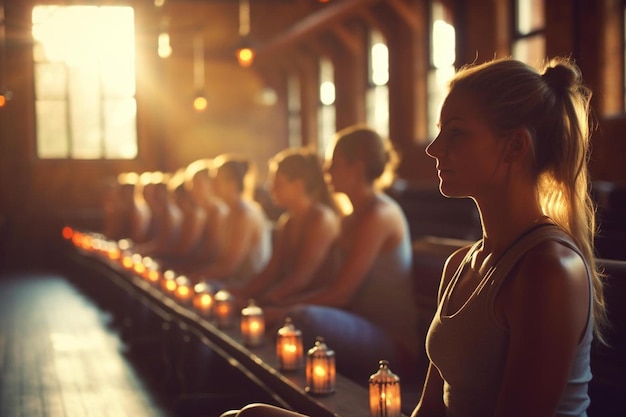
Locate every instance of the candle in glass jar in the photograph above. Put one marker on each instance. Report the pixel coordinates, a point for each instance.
(252, 324)
(320, 369)
(223, 309)
(289, 347)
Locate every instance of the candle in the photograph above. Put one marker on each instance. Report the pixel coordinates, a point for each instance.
(168, 282)
(223, 309)
(289, 347)
(203, 298)
(384, 392)
(252, 324)
(183, 289)
(320, 369)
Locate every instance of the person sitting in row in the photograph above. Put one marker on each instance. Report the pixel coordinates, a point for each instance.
(167, 217)
(244, 236)
(303, 255)
(187, 239)
(370, 299)
(198, 184)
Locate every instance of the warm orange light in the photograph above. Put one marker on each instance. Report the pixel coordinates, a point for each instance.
(170, 285)
(67, 232)
(87, 242)
(127, 262)
(200, 103)
(153, 276)
(114, 253)
(3, 100)
(245, 56)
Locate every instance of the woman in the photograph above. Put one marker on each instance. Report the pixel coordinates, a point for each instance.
(189, 236)
(302, 255)
(517, 310)
(370, 301)
(244, 235)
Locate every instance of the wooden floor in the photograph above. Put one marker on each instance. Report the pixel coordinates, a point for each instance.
(59, 358)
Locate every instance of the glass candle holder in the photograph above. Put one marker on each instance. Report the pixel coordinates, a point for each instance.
(168, 282)
(203, 299)
(384, 392)
(223, 309)
(320, 369)
(289, 351)
(252, 324)
(184, 290)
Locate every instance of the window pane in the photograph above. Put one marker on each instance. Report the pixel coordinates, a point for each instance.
(85, 58)
(120, 135)
(52, 134)
(85, 113)
(531, 50)
(50, 81)
(530, 16)
(378, 109)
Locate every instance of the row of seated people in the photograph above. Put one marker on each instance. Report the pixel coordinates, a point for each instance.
(318, 263)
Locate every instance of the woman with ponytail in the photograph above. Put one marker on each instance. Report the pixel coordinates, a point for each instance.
(519, 308)
(303, 255)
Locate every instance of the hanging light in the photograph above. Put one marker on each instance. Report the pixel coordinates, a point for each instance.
(289, 347)
(245, 51)
(320, 369)
(384, 390)
(199, 101)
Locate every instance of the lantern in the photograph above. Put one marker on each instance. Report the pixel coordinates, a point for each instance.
(252, 324)
(384, 389)
(183, 291)
(153, 272)
(289, 347)
(203, 298)
(320, 369)
(168, 282)
(223, 309)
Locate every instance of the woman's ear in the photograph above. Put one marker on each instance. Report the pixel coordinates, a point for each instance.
(518, 145)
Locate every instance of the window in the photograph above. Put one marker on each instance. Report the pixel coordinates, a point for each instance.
(377, 104)
(442, 58)
(294, 111)
(84, 58)
(529, 44)
(326, 112)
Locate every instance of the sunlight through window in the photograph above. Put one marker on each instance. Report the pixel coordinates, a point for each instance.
(85, 82)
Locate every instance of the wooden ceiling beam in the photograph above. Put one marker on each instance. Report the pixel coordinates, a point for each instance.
(313, 23)
(406, 13)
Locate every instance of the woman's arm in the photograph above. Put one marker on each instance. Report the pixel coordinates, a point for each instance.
(241, 227)
(370, 235)
(545, 306)
(260, 282)
(431, 400)
(319, 236)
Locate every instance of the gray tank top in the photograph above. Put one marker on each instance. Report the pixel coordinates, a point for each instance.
(469, 346)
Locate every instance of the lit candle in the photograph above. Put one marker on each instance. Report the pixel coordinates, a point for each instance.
(168, 282)
(384, 390)
(223, 309)
(320, 369)
(252, 324)
(289, 347)
(183, 292)
(203, 298)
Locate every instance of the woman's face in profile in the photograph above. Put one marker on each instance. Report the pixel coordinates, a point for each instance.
(467, 150)
(339, 172)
